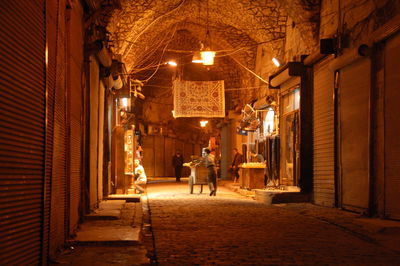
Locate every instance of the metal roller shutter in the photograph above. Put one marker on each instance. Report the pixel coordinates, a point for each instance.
(75, 104)
(148, 155)
(159, 156)
(169, 152)
(392, 128)
(56, 82)
(22, 131)
(353, 130)
(323, 133)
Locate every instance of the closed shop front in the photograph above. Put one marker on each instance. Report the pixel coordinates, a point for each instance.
(323, 133)
(392, 127)
(74, 115)
(353, 129)
(22, 132)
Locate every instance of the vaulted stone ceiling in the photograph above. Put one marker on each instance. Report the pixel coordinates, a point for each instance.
(146, 33)
(143, 31)
(141, 26)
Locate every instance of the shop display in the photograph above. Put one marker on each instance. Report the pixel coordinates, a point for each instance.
(129, 151)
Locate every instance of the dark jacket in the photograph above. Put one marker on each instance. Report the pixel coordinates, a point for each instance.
(238, 159)
(177, 161)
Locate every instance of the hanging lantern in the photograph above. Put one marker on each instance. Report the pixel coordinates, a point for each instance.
(207, 57)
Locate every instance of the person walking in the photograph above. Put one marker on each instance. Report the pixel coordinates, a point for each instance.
(237, 160)
(211, 176)
(140, 177)
(177, 163)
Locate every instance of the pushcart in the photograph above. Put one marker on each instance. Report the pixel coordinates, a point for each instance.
(198, 176)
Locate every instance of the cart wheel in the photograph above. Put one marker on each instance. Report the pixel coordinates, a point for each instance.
(201, 189)
(191, 184)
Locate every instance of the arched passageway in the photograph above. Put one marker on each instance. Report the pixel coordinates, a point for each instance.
(84, 83)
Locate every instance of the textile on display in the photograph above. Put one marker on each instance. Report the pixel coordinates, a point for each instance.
(199, 98)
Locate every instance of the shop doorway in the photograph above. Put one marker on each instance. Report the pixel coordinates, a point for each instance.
(290, 138)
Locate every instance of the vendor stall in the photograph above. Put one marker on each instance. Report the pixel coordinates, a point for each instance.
(252, 175)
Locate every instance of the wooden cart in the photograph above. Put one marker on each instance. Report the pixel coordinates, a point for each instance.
(198, 176)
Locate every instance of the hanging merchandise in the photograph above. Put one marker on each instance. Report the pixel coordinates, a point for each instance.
(199, 98)
(250, 121)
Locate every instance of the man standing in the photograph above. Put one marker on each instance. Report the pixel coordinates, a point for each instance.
(177, 163)
(237, 160)
(211, 176)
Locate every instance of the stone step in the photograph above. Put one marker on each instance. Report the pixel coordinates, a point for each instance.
(275, 197)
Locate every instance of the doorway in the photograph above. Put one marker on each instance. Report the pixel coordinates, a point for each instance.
(290, 138)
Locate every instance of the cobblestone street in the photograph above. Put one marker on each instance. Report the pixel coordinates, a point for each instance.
(230, 229)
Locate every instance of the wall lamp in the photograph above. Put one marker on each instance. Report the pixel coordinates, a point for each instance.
(276, 62)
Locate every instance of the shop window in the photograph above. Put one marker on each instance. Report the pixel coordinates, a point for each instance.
(291, 101)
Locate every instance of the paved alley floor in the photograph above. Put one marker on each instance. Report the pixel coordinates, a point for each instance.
(229, 229)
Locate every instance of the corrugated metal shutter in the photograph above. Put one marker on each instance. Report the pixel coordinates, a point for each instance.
(75, 104)
(148, 155)
(392, 128)
(159, 156)
(323, 133)
(353, 123)
(169, 152)
(56, 82)
(22, 131)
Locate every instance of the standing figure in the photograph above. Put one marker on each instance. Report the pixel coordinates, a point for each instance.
(140, 177)
(237, 160)
(177, 163)
(211, 176)
(139, 153)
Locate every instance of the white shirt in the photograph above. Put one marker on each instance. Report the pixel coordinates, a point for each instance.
(139, 170)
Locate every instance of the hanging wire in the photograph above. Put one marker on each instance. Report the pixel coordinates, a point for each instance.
(252, 72)
(150, 24)
(208, 37)
(161, 57)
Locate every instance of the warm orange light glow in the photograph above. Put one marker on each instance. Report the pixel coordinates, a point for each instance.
(172, 63)
(124, 102)
(203, 123)
(276, 62)
(208, 57)
(197, 58)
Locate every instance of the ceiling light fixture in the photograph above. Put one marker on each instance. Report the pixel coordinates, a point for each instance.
(203, 123)
(208, 57)
(207, 54)
(172, 63)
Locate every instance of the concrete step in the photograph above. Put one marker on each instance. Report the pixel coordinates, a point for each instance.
(126, 197)
(275, 197)
(112, 233)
